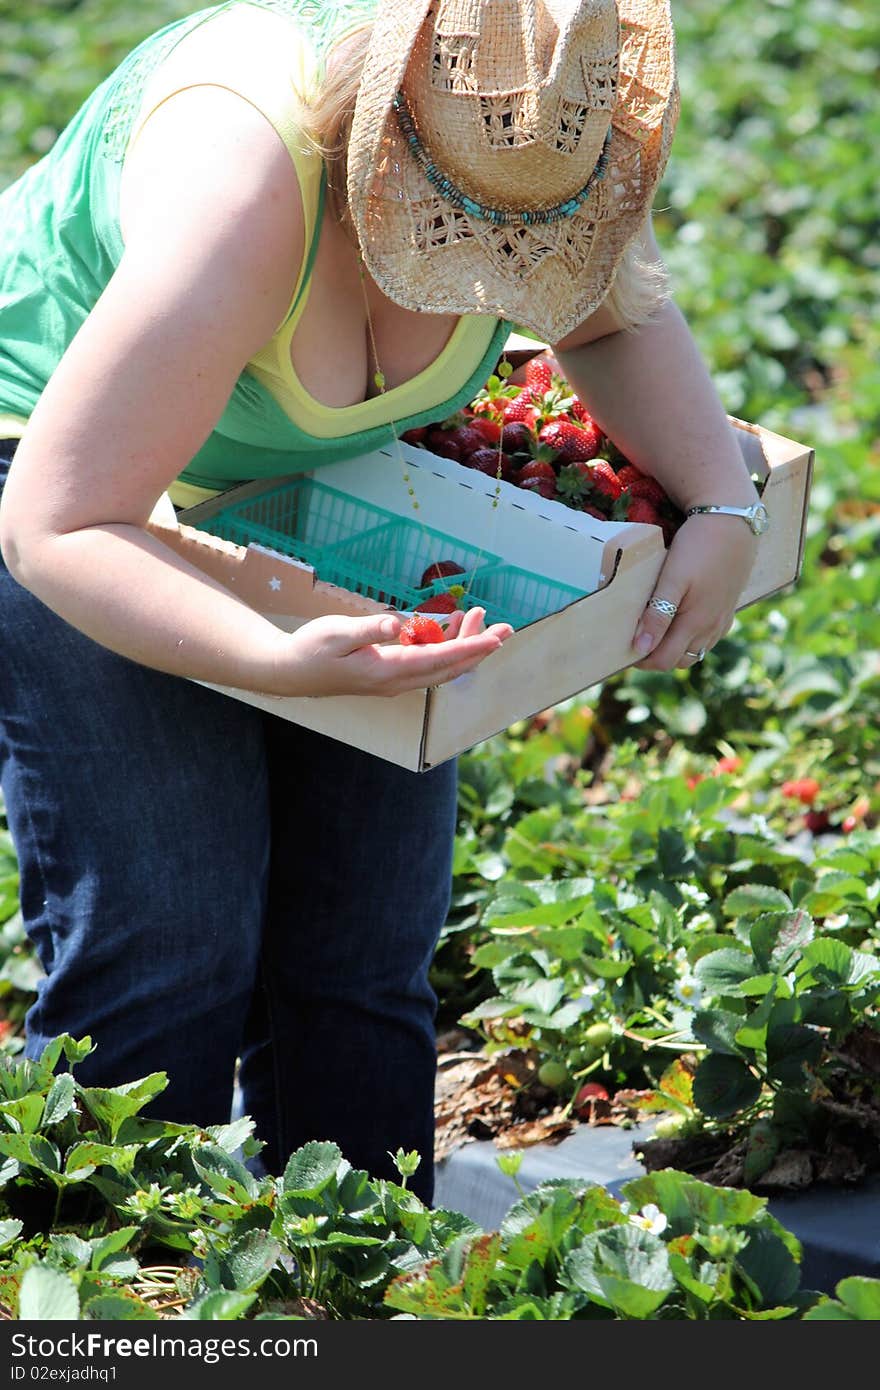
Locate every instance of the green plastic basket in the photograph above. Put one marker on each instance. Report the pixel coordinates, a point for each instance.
(387, 563)
(517, 596)
(301, 518)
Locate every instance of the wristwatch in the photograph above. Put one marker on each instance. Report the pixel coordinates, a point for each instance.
(756, 517)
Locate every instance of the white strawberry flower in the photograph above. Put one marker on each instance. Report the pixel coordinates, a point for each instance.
(650, 1218)
(688, 991)
(587, 996)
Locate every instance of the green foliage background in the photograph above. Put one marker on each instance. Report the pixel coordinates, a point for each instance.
(769, 217)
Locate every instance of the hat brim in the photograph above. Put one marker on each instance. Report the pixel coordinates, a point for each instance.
(428, 256)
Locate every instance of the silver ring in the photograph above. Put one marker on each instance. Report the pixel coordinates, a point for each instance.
(698, 656)
(664, 606)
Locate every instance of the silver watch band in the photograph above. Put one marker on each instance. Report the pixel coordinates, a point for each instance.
(755, 517)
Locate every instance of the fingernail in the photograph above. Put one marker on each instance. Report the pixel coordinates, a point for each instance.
(644, 643)
(388, 627)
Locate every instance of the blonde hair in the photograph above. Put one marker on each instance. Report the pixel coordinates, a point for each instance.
(640, 285)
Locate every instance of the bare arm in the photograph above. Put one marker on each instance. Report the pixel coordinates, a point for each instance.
(214, 236)
(651, 392)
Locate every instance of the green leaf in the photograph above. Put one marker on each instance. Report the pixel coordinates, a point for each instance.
(724, 1086)
(90, 1155)
(247, 1262)
(219, 1306)
(722, 972)
(34, 1151)
(27, 1111)
(119, 1307)
(60, 1100)
(111, 1106)
(769, 1267)
(9, 1231)
(47, 1295)
(687, 1202)
(717, 1028)
(625, 1267)
(541, 995)
(233, 1136)
(754, 898)
(791, 1047)
(859, 1301)
(111, 1244)
(778, 938)
(752, 1033)
(481, 1263)
(72, 1251)
(762, 1147)
(311, 1168)
(224, 1174)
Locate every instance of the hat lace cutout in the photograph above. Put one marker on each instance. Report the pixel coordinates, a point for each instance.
(452, 63)
(439, 224)
(507, 120)
(515, 250)
(569, 127)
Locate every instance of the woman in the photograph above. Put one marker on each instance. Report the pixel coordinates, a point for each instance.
(183, 308)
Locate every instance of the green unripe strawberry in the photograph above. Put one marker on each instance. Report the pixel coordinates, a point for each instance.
(599, 1034)
(671, 1127)
(553, 1074)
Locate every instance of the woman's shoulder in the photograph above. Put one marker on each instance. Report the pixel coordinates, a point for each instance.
(253, 51)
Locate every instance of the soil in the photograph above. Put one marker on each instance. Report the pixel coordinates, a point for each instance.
(498, 1097)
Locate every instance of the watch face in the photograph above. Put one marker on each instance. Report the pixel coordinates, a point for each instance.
(760, 519)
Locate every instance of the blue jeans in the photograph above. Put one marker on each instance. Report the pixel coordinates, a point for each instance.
(204, 882)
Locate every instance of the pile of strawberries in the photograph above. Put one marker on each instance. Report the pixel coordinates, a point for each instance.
(540, 437)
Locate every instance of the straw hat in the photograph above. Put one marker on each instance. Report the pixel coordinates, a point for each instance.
(504, 153)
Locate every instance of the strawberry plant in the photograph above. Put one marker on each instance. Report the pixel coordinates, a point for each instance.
(792, 1050)
(672, 1248)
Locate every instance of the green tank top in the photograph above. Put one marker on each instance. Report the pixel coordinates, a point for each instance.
(60, 242)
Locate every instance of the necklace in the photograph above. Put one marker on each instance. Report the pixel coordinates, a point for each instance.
(381, 386)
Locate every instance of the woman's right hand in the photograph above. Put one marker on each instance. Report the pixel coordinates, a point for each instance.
(362, 656)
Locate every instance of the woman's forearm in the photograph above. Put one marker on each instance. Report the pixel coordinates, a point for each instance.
(123, 588)
(650, 392)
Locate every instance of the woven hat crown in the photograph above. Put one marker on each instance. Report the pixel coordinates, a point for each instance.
(504, 153)
(514, 99)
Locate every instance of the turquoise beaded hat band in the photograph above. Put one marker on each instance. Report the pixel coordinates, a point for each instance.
(504, 154)
(500, 217)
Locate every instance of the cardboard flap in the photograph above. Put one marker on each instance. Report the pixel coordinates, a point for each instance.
(271, 583)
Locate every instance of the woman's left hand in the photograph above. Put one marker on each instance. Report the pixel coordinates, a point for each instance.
(706, 568)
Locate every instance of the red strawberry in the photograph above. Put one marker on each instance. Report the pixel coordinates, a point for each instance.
(441, 442)
(581, 414)
(628, 474)
(488, 427)
(516, 438)
(543, 486)
(522, 408)
(804, 789)
(572, 443)
(817, 821)
(649, 489)
(640, 484)
(440, 569)
(594, 511)
(416, 436)
(418, 630)
(438, 603)
(490, 461)
(646, 512)
(468, 438)
(539, 375)
(605, 480)
(537, 468)
(732, 764)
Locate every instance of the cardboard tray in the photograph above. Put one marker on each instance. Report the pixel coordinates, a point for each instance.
(543, 663)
